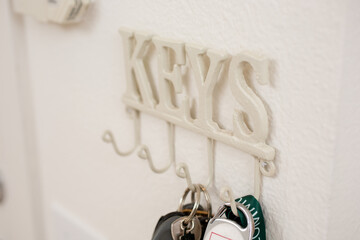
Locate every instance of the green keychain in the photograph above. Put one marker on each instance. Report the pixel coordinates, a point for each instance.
(254, 207)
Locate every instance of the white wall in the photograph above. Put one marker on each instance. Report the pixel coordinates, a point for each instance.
(20, 217)
(77, 79)
(345, 193)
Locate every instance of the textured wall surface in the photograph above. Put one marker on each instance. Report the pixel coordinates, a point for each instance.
(77, 79)
(345, 177)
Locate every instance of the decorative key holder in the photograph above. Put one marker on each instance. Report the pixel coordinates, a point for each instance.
(172, 57)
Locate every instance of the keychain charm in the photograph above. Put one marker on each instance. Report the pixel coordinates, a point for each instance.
(220, 228)
(253, 205)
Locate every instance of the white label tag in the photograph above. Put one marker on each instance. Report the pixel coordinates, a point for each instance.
(215, 236)
(224, 229)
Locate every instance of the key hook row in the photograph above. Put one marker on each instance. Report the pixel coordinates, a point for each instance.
(143, 151)
(262, 167)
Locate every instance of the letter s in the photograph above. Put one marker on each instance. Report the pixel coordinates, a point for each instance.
(245, 96)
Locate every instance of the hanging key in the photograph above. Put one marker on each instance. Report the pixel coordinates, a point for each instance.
(195, 224)
(188, 227)
(188, 236)
(190, 231)
(169, 225)
(189, 221)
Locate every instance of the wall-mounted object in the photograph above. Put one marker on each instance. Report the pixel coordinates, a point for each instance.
(57, 11)
(142, 96)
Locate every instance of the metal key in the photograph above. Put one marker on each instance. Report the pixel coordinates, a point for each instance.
(187, 236)
(222, 228)
(181, 232)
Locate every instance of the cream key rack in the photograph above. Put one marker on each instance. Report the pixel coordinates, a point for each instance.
(172, 57)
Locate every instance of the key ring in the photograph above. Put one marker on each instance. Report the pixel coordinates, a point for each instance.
(208, 199)
(196, 203)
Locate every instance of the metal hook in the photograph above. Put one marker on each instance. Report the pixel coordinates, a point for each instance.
(144, 153)
(211, 161)
(182, 170)
(171, 135)
(266, 168)
(261, 167)
(257, 179)
(227, 195)
(108, 136)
